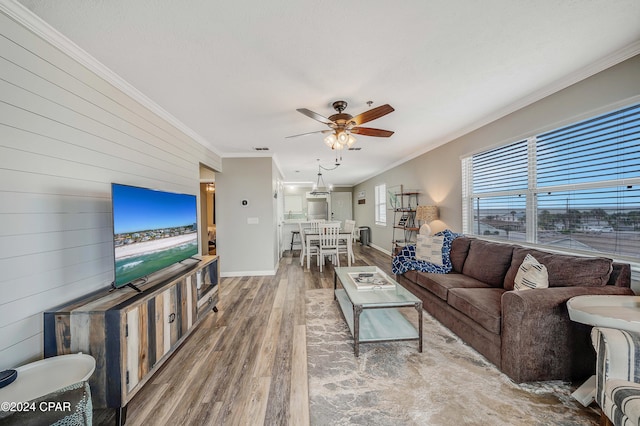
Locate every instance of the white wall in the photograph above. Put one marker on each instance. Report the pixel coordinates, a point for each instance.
(246, 248)
(65, 135)
(437, 173)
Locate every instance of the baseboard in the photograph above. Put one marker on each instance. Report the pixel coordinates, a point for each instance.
(273, 271)
(247, 273)
(380, 249)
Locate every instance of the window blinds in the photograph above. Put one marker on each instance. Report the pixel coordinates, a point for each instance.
(605, 148)
(501, 169)
(575, 187)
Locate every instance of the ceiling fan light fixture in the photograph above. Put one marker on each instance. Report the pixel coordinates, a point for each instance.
(330, 140)
(343, 124)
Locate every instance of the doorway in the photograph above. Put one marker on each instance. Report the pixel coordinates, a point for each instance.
(207, 211)
(341, 206)
(208, 195)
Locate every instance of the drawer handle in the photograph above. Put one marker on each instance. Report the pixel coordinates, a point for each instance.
(172, 318)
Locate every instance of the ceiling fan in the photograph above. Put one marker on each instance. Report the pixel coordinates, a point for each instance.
(344, 126)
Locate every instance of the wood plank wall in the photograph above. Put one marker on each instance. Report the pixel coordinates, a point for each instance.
(66, 133)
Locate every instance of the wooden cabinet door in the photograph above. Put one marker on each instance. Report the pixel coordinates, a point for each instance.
(152, 329)
(188, 302)
(164, 312)
(171, 329)
(184, 311)
(137, 349)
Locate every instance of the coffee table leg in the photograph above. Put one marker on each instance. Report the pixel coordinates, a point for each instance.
(357, 310)
(419, 309)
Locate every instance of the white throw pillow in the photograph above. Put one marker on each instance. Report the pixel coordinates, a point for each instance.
(531, 274)
(429, 249)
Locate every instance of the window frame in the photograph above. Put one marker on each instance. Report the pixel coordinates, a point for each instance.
(532, 192)
(380, 204)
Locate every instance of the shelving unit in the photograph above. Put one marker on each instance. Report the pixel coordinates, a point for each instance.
(404, 219)
(132, 334)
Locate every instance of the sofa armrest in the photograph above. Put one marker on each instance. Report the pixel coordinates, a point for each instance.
(620, 275)
(618, 354)
(539, 341)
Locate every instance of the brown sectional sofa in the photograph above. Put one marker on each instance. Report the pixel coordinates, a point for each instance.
(527, 334)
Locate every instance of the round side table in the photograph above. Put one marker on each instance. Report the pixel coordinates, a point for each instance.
(619, 312)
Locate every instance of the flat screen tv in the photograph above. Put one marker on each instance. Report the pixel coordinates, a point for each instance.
(152, 230)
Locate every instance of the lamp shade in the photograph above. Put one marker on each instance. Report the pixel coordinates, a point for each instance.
(427, 213)
(330, 140)
(343, 138)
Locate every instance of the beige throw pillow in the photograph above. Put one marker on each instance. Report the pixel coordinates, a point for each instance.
(429, 249)
(531, 274)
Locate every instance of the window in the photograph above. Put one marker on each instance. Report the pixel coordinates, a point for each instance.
(576, 187)
(381, 204)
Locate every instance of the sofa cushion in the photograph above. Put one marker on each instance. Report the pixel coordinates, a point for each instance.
(411, 275)
(439, 284)
(488, 262)
(531, 274)
(564, 270)
(459, 251)
(483, 305)
(429, 248)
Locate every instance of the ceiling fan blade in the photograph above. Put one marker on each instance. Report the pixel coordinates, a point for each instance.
(309, 133)
(372, 114)
(314, 115)
(368, 131)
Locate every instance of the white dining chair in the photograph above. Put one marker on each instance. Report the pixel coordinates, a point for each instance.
(314, 225)
(349, 226)
(308, 250)
(329, 233)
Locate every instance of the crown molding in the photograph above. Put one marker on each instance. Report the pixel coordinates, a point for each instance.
(252, 154)
(23, 16)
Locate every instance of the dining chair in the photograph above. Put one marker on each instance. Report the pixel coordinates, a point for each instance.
(307, 249)
(315, 224)
(329, 233)
(349, 226)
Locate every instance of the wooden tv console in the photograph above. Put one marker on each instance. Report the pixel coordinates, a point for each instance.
(132, 334)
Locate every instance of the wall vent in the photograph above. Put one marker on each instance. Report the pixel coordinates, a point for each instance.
(261, 148)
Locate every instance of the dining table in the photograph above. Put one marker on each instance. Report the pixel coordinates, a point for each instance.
(312, 234)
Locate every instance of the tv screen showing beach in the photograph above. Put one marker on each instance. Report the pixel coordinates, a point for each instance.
(152, 230)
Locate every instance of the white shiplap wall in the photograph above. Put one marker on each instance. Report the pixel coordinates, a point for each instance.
(66, 134)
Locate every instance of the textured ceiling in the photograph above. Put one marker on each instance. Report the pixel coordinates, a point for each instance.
(235, 72)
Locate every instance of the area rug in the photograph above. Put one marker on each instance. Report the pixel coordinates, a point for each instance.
(449, 383)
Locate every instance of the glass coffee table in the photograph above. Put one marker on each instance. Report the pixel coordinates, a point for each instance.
(369, 300)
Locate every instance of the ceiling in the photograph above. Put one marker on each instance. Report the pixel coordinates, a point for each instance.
(236, 71)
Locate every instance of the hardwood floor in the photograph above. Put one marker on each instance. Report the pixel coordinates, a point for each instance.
(247, 363)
